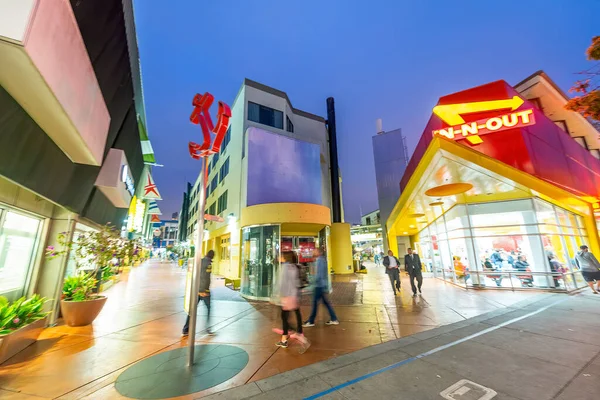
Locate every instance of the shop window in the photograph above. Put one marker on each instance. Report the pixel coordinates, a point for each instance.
(18, 242)
(265, 115)
(222, 203)
(225, 248)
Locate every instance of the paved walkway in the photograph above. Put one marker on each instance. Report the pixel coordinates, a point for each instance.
(144, 315)
(544, 348)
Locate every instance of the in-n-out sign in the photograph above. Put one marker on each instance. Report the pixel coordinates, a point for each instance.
(472, 130)
(459, 129)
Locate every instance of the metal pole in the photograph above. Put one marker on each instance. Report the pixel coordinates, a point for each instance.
(195, 287)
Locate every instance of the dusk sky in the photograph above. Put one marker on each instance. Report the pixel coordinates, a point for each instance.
(379, 59)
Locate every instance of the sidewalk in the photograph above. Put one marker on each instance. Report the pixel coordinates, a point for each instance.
(543, 348)
(144, 316)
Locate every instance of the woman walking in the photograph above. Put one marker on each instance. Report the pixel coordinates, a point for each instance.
(290, 296)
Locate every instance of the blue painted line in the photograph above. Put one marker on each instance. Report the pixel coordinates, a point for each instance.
(430, 352)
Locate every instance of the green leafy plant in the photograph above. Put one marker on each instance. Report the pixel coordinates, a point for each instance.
(103, 250)
(79, 288)
(20, 313)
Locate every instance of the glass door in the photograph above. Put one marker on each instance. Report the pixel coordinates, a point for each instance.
(260, 261)
(18, 243)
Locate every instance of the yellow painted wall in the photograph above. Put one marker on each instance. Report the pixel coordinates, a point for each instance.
(285, 213)
(341, 248)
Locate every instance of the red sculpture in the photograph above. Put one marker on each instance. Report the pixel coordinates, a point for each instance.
(201, 116)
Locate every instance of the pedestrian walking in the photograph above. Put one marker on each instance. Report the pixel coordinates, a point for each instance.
(590, 267)
(413, 266)
(320, 292)
(203, 291)
(290, 296)
(392, 269)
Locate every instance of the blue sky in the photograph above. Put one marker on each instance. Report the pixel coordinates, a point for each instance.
(380, 59)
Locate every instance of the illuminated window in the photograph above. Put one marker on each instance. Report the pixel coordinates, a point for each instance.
(225, 247)
(265, 115)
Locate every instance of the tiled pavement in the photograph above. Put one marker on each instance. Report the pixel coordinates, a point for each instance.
(144, 315)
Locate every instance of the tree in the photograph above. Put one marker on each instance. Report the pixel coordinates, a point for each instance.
(587, 103)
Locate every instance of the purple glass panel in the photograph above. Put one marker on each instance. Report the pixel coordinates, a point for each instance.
(282, 170)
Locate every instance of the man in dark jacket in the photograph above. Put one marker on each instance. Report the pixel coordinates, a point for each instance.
(413, 267)
(204, 290)
(392, 268)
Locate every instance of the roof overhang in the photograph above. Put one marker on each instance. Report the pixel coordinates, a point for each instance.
(46, 69)
(448, 162)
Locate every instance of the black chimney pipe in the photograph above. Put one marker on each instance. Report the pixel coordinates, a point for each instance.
(336, 203)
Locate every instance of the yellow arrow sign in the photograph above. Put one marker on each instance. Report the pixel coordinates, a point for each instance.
(451, 113)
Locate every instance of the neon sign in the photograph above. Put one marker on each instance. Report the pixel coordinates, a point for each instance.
(459, 129)
(472, 130)
(127, 180)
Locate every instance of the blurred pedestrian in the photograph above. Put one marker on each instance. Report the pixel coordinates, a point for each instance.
(203, 291)
(590, 268)
(320, 292)
(413, 266)
(289, 292)
(392, 269)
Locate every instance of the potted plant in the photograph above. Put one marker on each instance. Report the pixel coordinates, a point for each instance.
(21, 323)
(79, 305)
(98, 256)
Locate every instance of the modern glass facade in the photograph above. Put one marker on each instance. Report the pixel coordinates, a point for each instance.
(260, 247)
(19, 239)
(526, 243)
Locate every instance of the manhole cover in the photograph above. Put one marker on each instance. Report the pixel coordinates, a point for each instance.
(167, 374)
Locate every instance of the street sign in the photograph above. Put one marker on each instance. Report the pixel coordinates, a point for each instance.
(214, 218)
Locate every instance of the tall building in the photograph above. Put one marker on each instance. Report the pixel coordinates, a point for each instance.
(389, 152)
(271, 184)
(72, 155)
(503, 188)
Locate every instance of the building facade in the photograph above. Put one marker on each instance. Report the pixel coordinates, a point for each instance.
(71, 151)
(271, 185)
(389, 153)
(502, 189)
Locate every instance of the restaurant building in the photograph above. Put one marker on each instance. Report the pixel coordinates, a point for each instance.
(502, 189)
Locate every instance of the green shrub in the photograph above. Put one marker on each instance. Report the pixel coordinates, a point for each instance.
(79, 287)
(20, 313)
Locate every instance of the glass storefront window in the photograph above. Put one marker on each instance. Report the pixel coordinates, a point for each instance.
(18, 243)
(519, 243)
(260, 260)
(507, 213)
